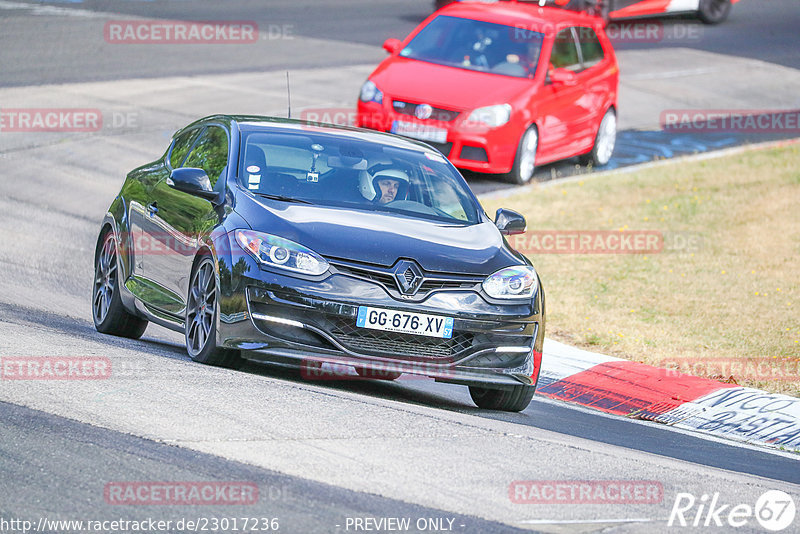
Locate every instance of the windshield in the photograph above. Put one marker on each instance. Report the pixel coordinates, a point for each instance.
(332, 170)
(476, 45)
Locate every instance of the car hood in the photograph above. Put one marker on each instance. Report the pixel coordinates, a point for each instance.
(381, 238)
(446, 87)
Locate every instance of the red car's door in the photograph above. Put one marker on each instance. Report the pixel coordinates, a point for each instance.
(597, 80)
(562, 103)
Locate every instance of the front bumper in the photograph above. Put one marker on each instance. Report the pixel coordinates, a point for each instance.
(281, 318)
(469, 145)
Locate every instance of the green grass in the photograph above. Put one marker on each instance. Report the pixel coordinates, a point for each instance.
(733, 297)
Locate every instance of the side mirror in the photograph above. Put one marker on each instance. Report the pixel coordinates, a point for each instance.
(392, 45)
(193, 181)
(510, 222)
(563, 77)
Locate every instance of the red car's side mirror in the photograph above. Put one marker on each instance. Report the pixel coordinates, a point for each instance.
(392, 45)
(563, 77)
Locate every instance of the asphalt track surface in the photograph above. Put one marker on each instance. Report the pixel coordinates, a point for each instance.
(319, 452)
(759, 29)
(37, 53)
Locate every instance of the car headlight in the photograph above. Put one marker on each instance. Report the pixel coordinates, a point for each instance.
(370, 93)
(492, 116)
(278, 252)
(518, 282)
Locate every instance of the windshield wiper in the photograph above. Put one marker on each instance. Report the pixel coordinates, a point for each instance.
(282, 198)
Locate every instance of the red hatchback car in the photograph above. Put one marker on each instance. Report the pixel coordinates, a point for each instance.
(499, 88)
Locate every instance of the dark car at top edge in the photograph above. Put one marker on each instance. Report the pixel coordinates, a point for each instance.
(708, 11)
(290, 242)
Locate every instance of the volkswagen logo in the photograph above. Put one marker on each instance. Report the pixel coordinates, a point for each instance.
(423, 111)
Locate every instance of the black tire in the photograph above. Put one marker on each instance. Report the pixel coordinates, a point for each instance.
(525, 160)
(202, 310)
(513, 399)
(601, 151)
(377, 374)
(109, 314)
(714, 11)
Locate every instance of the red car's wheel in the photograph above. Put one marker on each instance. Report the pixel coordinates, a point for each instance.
(525, 162)
(604, 141)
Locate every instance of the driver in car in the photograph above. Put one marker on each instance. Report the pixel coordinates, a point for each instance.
(390, 185)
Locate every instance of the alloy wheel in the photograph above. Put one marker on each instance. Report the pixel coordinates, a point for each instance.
(606, 138)
(201, 307)
(527, 162)
(105, 279)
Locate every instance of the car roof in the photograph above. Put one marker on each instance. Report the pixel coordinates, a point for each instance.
(255, 123)
(544, 19)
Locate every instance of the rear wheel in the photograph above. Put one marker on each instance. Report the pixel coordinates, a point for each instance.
(714, 11)
(201, 319)
(513, 399)
(110, 316)
(525, 161)
(604, 141)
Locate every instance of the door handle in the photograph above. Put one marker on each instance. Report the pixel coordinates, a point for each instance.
(152, 209)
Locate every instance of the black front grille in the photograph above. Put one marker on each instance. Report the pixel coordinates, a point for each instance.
(379, 343)
(438, 114)
(430, 282)
(384, 278)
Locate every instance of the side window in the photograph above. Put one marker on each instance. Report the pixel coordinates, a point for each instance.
(565, 53)
(591, 50)
(181, 147)
(210, 153)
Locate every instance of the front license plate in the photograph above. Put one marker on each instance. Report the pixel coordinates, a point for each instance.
(405, 322)
(422, 132)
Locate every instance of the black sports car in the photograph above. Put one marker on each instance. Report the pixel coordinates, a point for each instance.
(285, 241)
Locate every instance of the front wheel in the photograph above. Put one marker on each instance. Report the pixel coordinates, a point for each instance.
(201, 319)
(110, 316)
(525, 161)
(714, 11)
(513, 399)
